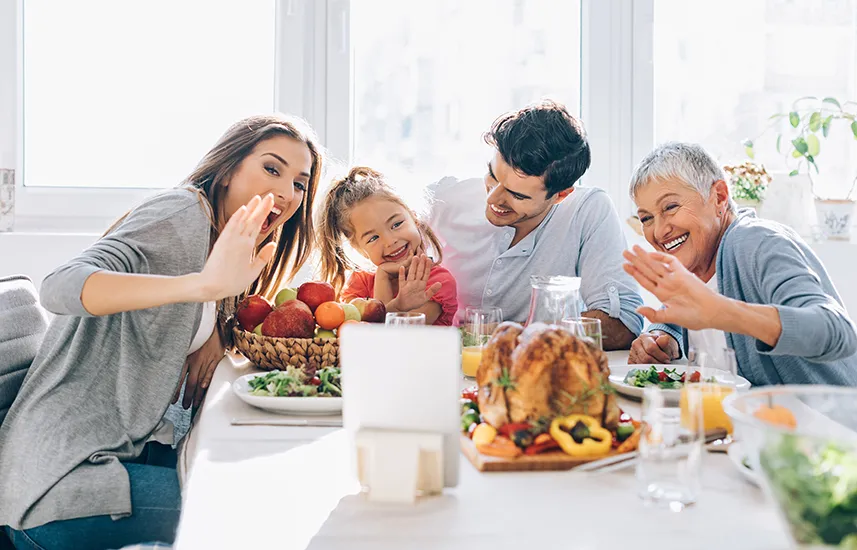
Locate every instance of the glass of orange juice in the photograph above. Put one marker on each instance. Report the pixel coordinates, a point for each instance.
(479, 325)
(717, 376)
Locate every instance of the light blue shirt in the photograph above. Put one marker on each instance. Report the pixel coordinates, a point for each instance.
(580, 237)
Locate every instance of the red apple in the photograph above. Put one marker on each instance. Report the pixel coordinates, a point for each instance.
(315, 293)
(371, 310)
(252, 311)
(291, 319)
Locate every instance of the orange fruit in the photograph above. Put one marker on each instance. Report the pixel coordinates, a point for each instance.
(777, 414)
(329, 315)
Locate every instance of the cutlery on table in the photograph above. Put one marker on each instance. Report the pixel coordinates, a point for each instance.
(624, 460)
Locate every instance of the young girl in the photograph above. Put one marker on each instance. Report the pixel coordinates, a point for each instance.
(364, 211)
(85, 451)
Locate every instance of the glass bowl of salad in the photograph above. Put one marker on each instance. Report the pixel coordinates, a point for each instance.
(803, 441)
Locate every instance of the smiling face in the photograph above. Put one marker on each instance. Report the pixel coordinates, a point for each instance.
(280, 166)
(384, 231)
(515, 199)
(678, 220)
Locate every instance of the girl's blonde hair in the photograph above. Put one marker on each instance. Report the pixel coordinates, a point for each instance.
(335, 221)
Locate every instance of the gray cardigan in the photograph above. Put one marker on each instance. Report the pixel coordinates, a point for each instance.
(100, 385)
(763, 262)
(23, 323)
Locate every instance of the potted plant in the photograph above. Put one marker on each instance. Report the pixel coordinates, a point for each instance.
(810, 121)
(748, 182)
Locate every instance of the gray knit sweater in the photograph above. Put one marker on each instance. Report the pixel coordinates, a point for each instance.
(100, 385)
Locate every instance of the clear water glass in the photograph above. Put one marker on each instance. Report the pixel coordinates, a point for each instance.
(399, 318)
(586, 329)
(671, 448)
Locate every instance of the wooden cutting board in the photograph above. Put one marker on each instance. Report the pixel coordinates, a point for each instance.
(546, 462)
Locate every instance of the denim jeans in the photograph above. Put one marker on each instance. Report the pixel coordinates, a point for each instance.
(155, 502)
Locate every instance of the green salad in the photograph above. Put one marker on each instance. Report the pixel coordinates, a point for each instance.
(816, 488)
(668, 379)
(294, 382)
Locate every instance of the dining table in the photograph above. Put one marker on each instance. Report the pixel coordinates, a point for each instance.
(260, 486)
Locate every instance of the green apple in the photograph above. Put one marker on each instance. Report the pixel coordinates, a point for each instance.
(258, 329)
(351, 312)
(321, 333)
(285, 295)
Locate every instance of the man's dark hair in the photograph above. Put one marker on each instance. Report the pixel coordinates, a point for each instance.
(542, 139)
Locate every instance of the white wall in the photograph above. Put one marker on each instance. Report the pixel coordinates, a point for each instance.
(8, 91)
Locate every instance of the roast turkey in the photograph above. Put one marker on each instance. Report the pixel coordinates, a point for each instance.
(537, 373)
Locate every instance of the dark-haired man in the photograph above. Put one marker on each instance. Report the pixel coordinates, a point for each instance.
(526, 217)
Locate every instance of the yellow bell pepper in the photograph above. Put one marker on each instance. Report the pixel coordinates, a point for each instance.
(581, 435)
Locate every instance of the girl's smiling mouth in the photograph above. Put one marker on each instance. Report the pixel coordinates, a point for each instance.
(398, 254)
(269, 222)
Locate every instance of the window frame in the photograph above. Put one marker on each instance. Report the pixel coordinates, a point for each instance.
(616, 94)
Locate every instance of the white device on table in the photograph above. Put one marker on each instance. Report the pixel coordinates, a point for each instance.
(400, 388)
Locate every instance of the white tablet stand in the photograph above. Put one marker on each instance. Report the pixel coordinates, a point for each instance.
(398, 466)
(406, 442)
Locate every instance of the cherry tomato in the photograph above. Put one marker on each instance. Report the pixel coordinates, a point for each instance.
(682, 376)
(315, 381)
(694, 377)
(662, 376)
(470, 393)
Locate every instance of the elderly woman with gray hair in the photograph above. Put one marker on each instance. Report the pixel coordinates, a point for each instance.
(729, 279)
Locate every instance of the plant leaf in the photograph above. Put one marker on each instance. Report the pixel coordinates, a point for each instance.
(811, 160)
(796, 154)
(793, 173)
(831, 100)
(854, 128)
(815, 121)
(746, 143)
(794, 119)
(800, 145)
(777, 115)
(812, 145)
(750, 153)
(825, 126)
(779, 140)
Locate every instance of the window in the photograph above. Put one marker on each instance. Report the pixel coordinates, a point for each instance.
(429, 78)
(132, 94)
(722, 68)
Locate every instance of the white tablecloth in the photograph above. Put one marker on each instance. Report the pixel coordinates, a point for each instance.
(277, 487)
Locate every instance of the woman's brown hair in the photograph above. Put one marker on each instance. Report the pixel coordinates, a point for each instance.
(335, 222)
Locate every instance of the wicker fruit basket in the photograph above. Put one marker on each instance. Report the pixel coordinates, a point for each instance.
(275, 353)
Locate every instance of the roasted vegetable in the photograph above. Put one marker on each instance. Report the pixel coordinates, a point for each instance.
(484, 434)
(581, 435)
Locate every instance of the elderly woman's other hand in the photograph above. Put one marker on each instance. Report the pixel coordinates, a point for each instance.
(653, 347)
(687, 301)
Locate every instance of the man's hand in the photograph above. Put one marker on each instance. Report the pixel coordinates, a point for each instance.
(199, 368)
(653, 347)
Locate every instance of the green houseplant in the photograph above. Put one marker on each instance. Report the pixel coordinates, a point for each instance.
(811, 123)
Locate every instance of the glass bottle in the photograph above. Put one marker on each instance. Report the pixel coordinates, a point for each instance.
(553, 299)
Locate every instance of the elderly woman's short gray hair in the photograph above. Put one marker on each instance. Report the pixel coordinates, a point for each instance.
(686, 162)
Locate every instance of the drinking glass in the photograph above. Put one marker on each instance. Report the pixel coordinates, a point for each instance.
(671, 447)
(398, 318)
(714, 374)
(585, 328)
(479, 325)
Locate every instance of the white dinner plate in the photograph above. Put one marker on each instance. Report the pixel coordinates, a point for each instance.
(737, 458)
(285, 405)
(618, 372)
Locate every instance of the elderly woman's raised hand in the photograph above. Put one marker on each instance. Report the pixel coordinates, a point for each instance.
(687, 301)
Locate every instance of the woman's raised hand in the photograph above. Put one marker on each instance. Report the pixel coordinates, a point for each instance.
(234, 263)
(687, 301)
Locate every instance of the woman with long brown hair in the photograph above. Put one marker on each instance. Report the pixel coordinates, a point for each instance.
(86, 457)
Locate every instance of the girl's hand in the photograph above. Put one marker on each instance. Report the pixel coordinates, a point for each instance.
(687, 301)
(412, 288)
(231, 267)
(392, 268)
